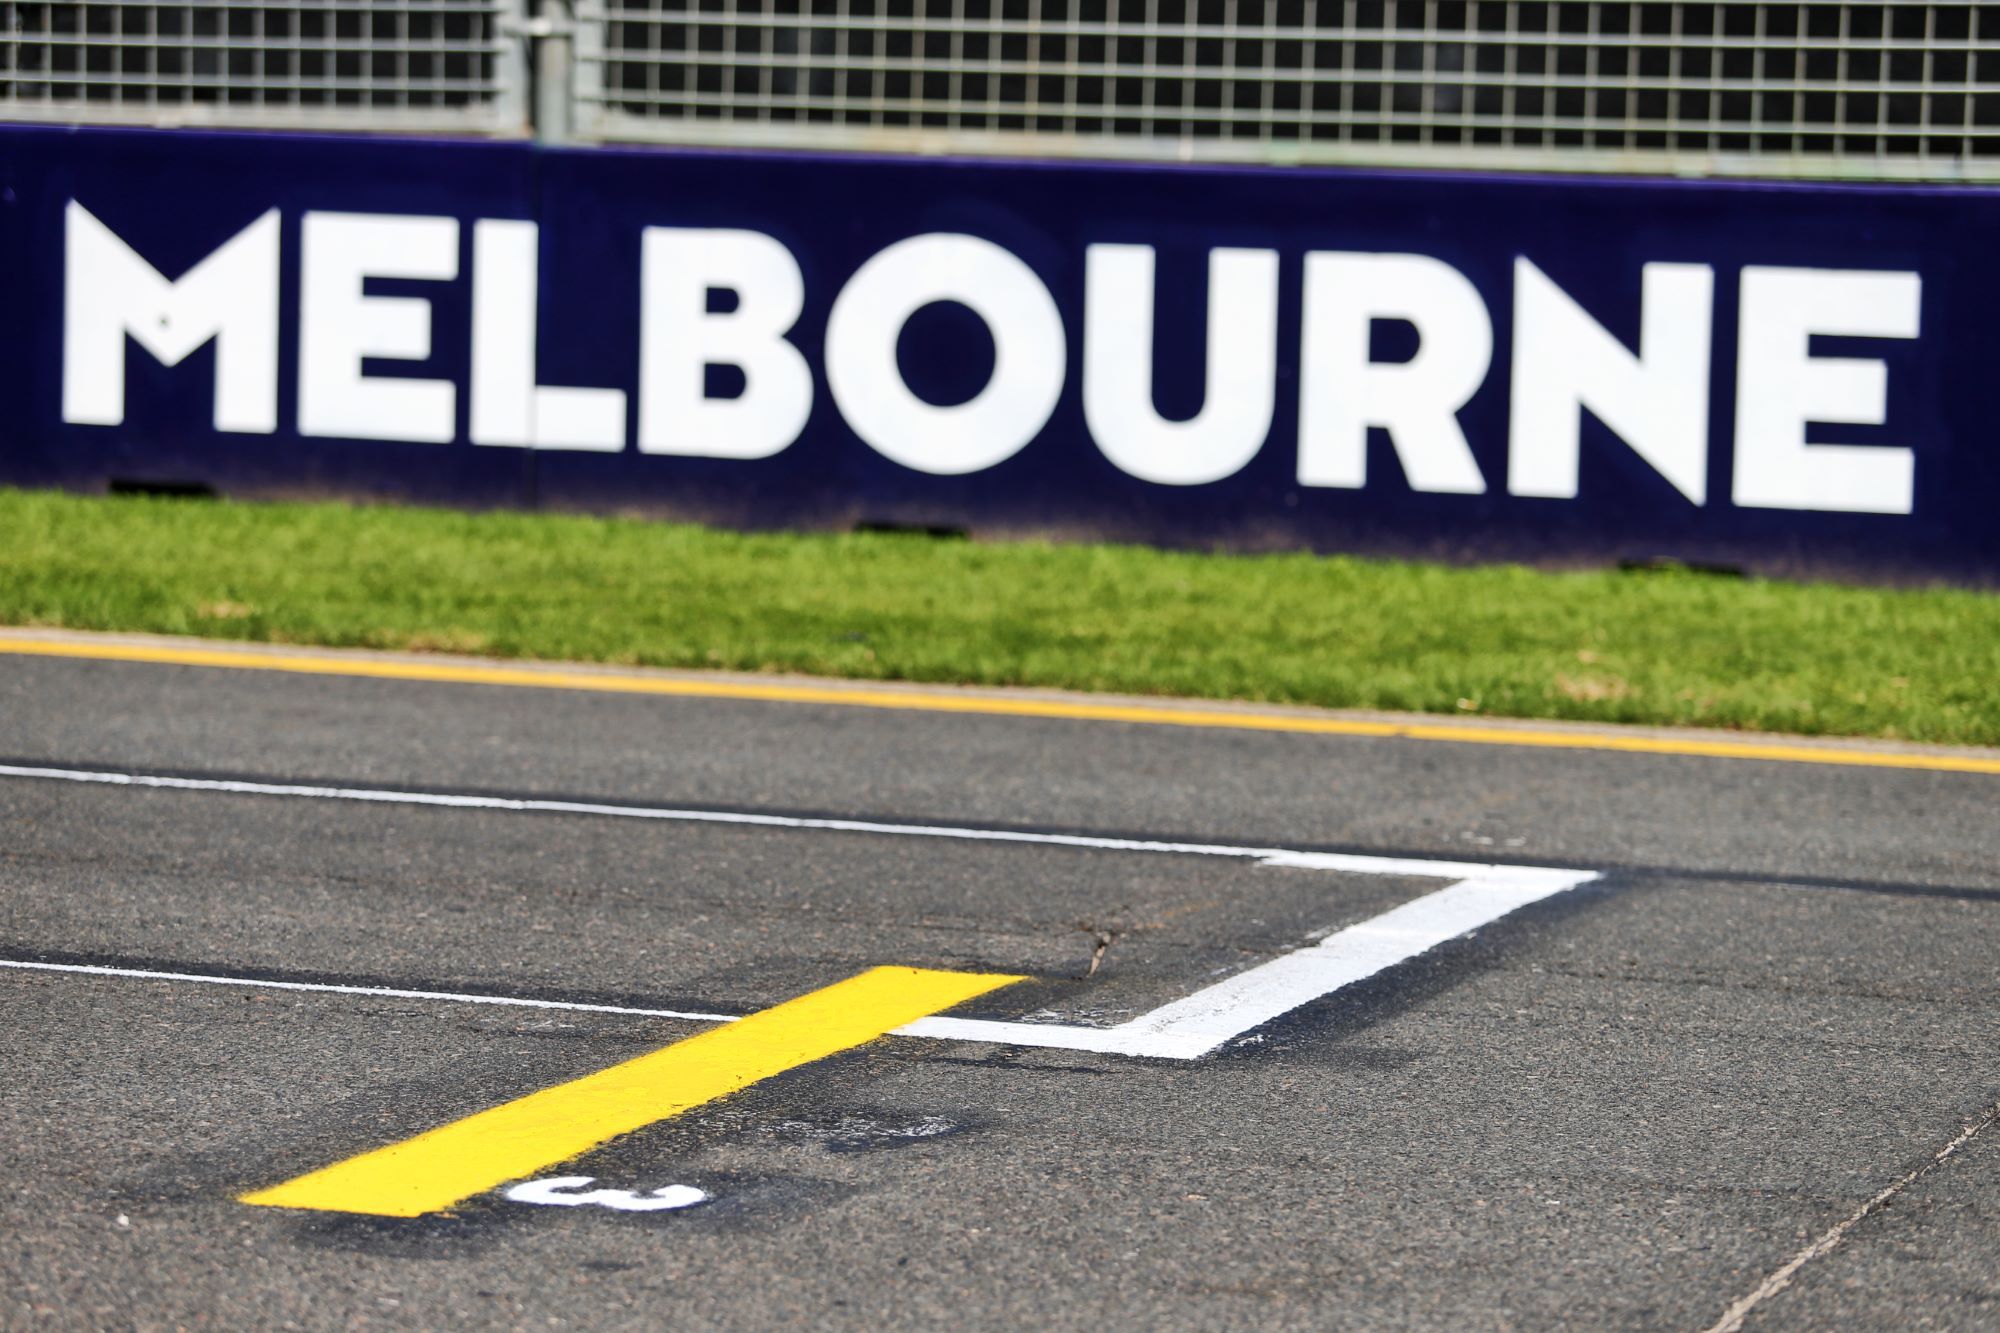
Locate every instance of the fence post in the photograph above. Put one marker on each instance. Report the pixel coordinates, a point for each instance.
(543, 45)
(554, 71)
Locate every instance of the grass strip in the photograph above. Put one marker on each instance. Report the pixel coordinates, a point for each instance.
(1644, 647)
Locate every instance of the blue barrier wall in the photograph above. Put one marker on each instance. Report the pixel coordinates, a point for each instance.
(1791, 379)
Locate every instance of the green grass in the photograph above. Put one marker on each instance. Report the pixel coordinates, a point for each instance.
(1922, 664)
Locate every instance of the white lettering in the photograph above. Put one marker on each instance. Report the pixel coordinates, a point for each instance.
(1565, 361)
(1241, 384)
(1343, 393)
(680, 337)
(231, 296)
(1029, 353)
(508, 406)
(1781, 386)
(339, 326)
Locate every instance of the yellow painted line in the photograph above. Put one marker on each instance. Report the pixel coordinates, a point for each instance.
(450, 1164)
(457, 673)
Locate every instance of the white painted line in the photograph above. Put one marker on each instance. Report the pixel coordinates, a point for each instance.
(1182, 1030)
(385, 992)
(1185, 1029)
(1194, 1026)
(1283, 857)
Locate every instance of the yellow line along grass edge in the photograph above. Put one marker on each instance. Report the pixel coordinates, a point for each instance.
(252, 658)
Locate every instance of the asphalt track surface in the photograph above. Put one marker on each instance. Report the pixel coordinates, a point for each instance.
(1638, 1103)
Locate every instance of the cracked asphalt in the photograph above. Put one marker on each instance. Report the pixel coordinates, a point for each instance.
(1626, 1107)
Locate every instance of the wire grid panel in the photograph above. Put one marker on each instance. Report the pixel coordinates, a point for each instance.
(330, 64)
(1856, 90)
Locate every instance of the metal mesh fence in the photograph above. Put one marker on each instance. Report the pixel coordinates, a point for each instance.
(1881, 90)
(1856, 90)
(340, 64)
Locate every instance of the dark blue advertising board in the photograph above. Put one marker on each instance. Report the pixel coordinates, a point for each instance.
(1789, 379)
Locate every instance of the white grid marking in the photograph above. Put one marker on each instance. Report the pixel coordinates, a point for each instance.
(1182, 1030)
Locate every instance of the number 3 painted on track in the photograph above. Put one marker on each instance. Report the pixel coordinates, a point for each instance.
(561, 1191)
